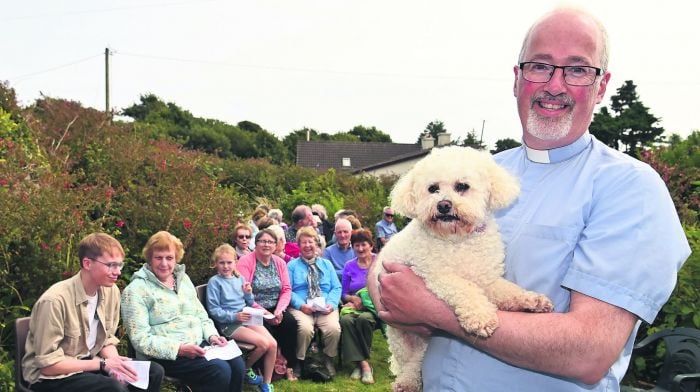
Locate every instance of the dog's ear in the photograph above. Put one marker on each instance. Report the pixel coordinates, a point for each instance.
(504, 187)
(403, 200)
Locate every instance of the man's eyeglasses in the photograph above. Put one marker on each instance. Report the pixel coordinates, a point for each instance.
(389, 215)
(574, 75)
(112, 266)
(243, 237)
(267, 242)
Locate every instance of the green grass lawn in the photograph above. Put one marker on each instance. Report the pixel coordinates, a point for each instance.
(342, 381)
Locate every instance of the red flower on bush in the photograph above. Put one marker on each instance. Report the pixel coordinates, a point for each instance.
(110, 192)
(187, 223)
(44, 246)
(3, 182)
(120, 223)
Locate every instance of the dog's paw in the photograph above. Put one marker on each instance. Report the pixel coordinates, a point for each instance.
(480, 328)
(538, 303)
(406, 386)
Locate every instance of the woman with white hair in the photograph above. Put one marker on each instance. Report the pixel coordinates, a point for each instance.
(277, 215)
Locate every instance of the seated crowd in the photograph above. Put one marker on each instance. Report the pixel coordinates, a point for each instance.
(300, 286)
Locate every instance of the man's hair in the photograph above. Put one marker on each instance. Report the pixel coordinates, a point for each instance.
(361, 235)
(342, 222)
(604, 44)
(299, 213)
(95, 245)
(163, 240)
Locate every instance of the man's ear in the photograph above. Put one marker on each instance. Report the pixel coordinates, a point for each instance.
(515, 81)
(603, 86)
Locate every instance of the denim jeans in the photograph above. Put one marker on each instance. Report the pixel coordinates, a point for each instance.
(207, 376)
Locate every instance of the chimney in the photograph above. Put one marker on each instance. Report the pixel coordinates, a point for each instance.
(443, 139)
(427, 142)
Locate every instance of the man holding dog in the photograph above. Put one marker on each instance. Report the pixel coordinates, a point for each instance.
(593, 229)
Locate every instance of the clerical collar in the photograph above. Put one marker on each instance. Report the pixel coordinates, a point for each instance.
(559, 154)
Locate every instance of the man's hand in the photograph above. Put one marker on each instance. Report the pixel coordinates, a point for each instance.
(190, 351)
(402, 308)
(119, 369)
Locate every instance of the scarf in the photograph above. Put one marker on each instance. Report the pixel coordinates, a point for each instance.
(312, 278)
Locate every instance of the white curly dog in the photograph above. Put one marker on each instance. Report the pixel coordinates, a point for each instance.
(453, 243)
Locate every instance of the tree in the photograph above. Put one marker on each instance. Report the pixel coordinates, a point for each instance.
(434, 128)
(472, 141)
(605, 127)
(371, 134)
(631, 125)
(505, 144)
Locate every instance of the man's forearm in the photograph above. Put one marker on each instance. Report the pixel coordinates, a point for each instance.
(581, 344)
(71, 365)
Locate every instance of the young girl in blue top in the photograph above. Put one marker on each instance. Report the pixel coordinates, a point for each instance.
(227, 294)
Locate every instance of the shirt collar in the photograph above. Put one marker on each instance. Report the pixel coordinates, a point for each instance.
(79, 290)
(559, 154)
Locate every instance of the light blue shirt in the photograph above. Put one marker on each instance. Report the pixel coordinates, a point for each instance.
(588, 219)
(225, 298)
(338, 257)
(385, 229)
(328, 282)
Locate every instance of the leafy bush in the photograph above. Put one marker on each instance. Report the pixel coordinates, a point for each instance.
(67, 171)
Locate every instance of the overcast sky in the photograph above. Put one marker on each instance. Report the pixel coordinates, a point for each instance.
(330, 65)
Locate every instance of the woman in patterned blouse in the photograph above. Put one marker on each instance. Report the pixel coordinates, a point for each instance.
(166, 322)
(270, 280)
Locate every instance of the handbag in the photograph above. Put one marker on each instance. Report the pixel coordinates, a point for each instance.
(315, 371)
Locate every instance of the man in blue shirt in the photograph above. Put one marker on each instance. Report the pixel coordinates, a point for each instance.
(385, 228)
(341, 251)
(593, 229)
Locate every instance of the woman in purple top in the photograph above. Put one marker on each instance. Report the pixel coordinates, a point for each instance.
(357, 323)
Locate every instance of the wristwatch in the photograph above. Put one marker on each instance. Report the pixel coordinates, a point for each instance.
(103, 364)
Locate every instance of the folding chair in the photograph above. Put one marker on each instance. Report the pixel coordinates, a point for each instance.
(21, 331)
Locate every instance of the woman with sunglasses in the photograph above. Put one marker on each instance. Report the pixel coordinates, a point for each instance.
(241, 239)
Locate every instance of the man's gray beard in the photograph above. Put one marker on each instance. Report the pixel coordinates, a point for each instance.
(549, 128)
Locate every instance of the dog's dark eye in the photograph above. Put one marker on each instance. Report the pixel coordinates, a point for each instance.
(433, 188)
(461, 187)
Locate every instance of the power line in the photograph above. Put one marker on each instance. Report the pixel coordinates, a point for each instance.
(26, 76)
(307, 70)
(11, 18)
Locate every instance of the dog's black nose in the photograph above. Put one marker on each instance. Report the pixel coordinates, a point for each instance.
(444, 206)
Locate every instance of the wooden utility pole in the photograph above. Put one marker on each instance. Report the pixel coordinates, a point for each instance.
(107, 109)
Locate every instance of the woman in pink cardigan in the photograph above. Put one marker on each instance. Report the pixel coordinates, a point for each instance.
(269, 277)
